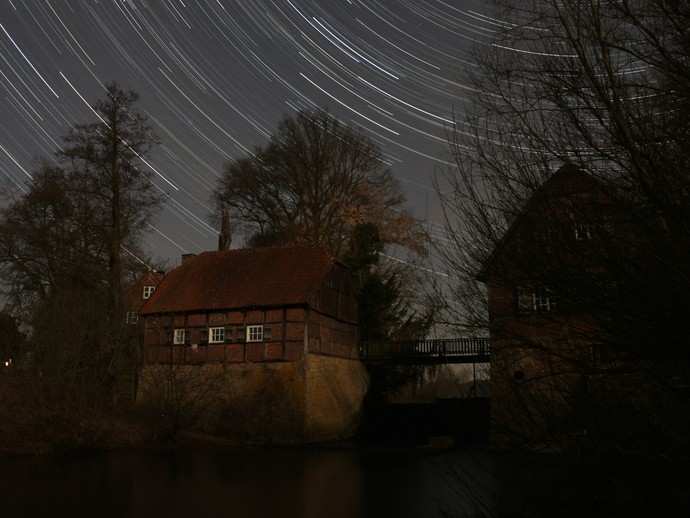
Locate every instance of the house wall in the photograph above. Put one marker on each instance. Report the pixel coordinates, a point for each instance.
(254, 402)
(304, 384)
(288, 329)
(336, 296)
(535, 360)
(330, 336)
(335, 390)
(318, 398)
(536, 356)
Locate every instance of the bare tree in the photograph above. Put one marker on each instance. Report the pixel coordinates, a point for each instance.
(105, 161)
(320, 181)
(314, 182)
(601, 87)
(181, 397)
(65, 248)
(79, 221)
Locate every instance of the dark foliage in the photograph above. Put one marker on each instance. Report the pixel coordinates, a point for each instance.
(597, 368)
(66, 246)
(315, 181)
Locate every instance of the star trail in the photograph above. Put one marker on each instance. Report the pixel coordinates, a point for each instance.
(216, 76)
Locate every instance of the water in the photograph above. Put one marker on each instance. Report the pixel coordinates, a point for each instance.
(242, 482)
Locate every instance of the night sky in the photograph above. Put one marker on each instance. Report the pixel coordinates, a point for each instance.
(216, 76)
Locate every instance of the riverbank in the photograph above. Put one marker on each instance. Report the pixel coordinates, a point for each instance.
(46, 424)
(118, 433)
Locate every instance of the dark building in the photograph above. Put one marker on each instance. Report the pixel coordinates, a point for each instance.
(552, 289)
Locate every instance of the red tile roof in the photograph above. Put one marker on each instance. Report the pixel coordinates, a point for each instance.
(261, 277)
(134, 295)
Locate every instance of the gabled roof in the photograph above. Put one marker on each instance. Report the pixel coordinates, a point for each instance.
(250, 277)
(134, 293)
(149, 278)
(567, 181)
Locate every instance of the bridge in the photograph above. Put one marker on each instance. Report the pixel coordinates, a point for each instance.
(427, 352)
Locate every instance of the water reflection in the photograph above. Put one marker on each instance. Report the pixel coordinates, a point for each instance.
(245, 483)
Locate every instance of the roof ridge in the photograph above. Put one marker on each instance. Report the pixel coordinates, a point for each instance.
(244, 277)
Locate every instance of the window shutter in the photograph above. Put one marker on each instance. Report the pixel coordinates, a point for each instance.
(241, 334)
(228, 334)
(203, 339)
(268, 336)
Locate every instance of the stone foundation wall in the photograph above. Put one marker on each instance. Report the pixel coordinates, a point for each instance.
(335, 391)
(316, 399)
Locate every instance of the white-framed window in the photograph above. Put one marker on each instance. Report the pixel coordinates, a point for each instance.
(597, 354)
(132, 317)
(584, 231)
(216, 335)
(536, 299)
(255, 333)
(179, 336)
(148, 291)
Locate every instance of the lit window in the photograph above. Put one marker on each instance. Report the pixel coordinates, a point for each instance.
(179, 336)
(255, 333)
(148, 291)
(544, 300)
(132, 317)
(583, 231)
(539, 299)
(216, 335)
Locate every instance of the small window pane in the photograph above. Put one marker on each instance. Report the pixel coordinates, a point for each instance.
(255, 333)
(540, 299)
(584, 231)
(216, 335)
(544, 299)
(148, 291)
(179, 336)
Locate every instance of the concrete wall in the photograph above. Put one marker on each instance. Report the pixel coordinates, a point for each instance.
(316, 399)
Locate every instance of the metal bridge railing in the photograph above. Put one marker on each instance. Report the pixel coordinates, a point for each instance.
(419, 349)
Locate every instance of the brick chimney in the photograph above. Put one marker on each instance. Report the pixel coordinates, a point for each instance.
(225, 236)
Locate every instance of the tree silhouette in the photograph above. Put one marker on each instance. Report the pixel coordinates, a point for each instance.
(66, 245)
(320, 181)
(313, 182)
(602, 88)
